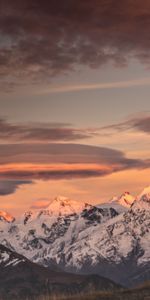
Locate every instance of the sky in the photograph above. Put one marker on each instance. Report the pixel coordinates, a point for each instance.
(74, 100)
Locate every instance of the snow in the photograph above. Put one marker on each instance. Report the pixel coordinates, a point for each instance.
(4, 257)
(6, 217)
(125, 200)
(146, 191)
(143, 200)
(64, 234)
(145, 244)
(7, 259)
(118, 207)
(65, 206)
(120, 204)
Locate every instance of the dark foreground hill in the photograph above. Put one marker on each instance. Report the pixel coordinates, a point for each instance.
(21, 279)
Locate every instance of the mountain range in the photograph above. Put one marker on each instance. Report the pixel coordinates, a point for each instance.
(111, 239)
(21, 279)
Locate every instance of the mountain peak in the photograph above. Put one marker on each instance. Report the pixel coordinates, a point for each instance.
(62, 199)
(4, 216)
(143, 200)
(64, 206)
(126, 199)
(146, 191)
(59, 206)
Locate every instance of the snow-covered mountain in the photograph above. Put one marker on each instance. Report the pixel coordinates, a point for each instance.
(57, 208)
(62, 206)
(143, 202)
(4, 216)
(120, 204)
(34, 233)
(126, 200)
(116, 248)
(86, 238)
(23, 279)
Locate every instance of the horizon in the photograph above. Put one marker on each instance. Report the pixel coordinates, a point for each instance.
(43, 204)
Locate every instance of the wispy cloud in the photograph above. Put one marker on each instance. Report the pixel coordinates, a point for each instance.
(40, 132)
(97, 86)
(139, 124)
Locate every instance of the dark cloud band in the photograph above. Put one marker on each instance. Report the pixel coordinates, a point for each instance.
(42, 132)
(40, 39)
(61, 153)
(24, 163)
(8, 187)
(62, 161)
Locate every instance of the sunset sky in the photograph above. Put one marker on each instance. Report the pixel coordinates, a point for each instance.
(74, 100)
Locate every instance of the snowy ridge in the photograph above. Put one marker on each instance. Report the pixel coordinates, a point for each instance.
(58, 207)
(120, 204)
(83, 237)
(125, 200)
(143, 200)
(61, 206)
(35, 233)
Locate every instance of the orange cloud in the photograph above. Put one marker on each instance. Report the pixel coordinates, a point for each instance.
(39, 204)
(56, 171)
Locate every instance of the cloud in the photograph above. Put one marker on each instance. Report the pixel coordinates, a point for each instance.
(60, 153)
(140, 124)
(40, 203)
(62, 161)
(97, 86)
(58, 173)
(41, 39)
(8, 187)
(42, 132)
(68, 172)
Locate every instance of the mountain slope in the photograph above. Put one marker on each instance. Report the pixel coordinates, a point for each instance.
(35, 233)
(121, 251)
(94, 240)
(20, 278)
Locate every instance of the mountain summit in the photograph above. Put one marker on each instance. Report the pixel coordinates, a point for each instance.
(120, 204)
(126, 200)
(4, 216)
(143, 200)
(59, 207)
(62, 206)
